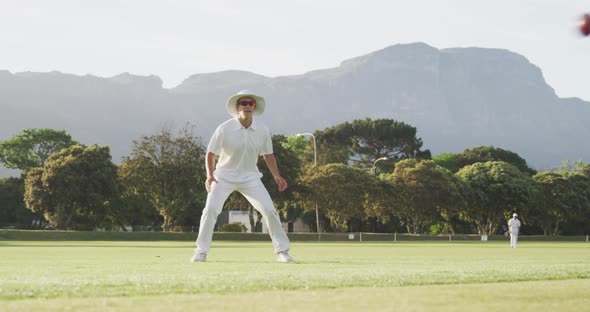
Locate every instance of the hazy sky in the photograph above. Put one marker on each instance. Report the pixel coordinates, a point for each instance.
(175, 39)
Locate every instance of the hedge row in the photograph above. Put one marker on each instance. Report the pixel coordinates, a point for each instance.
(25, 235)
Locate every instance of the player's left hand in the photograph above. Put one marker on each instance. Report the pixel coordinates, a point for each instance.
(281, 183)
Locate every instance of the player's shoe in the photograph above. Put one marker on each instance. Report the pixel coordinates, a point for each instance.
(199, 257)
(284, 257)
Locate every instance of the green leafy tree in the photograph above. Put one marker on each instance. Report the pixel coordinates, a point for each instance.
(290, 169)
(554, 207)
(36, 197)
(496, 190)
(302, 148)
(579, 222)
(367, 140)
(579, 166)
(342, 192)
(299, 145)
(333, 144)
(31, 147)
(169, 171)
(449, 161)
(490, 153)
(74, 189)
(134, 205)
(565, 197)
(379, 205)
(423, 193)
(12, 207)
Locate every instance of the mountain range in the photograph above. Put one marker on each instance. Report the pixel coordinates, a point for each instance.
(457, 98)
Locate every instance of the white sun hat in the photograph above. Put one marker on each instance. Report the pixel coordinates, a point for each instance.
(514, 215)
(233, 101)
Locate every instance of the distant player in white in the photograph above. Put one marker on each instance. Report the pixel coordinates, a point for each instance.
(513, 228)
(239, 142)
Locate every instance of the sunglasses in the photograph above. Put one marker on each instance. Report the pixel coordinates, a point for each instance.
(247, 103)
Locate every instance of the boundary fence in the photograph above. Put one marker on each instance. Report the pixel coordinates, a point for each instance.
(28, 235)
(405, 237)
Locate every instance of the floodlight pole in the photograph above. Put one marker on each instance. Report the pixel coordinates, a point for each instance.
(315, 164)
(373, 169)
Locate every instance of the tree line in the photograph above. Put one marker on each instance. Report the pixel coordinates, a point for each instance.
(371, 175)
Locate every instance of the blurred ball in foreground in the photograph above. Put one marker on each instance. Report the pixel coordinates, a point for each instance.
(584, 25)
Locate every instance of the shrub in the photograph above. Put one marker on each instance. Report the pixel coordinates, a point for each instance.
(233, 227)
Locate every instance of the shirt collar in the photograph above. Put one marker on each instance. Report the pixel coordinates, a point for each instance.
(236, 125)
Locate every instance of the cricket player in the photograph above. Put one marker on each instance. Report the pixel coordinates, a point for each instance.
(238, 142)
(513, 228)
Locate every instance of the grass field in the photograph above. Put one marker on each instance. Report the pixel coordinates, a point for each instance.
(243, 276)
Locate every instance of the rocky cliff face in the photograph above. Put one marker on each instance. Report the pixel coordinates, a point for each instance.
(457, 98)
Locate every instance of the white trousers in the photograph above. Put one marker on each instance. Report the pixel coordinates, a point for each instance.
(257, 195)
(513, 239)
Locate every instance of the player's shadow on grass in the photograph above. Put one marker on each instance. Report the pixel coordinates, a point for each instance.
(299, 262)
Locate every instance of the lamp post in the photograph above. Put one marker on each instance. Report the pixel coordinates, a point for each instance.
(315, 156)
(373, 169)
(373, 172)
(315, 164)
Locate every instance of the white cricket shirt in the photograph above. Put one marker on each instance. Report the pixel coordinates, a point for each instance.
(238, 149)
(514, 225)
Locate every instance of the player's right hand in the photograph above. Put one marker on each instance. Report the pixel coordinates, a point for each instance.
(209, 182)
